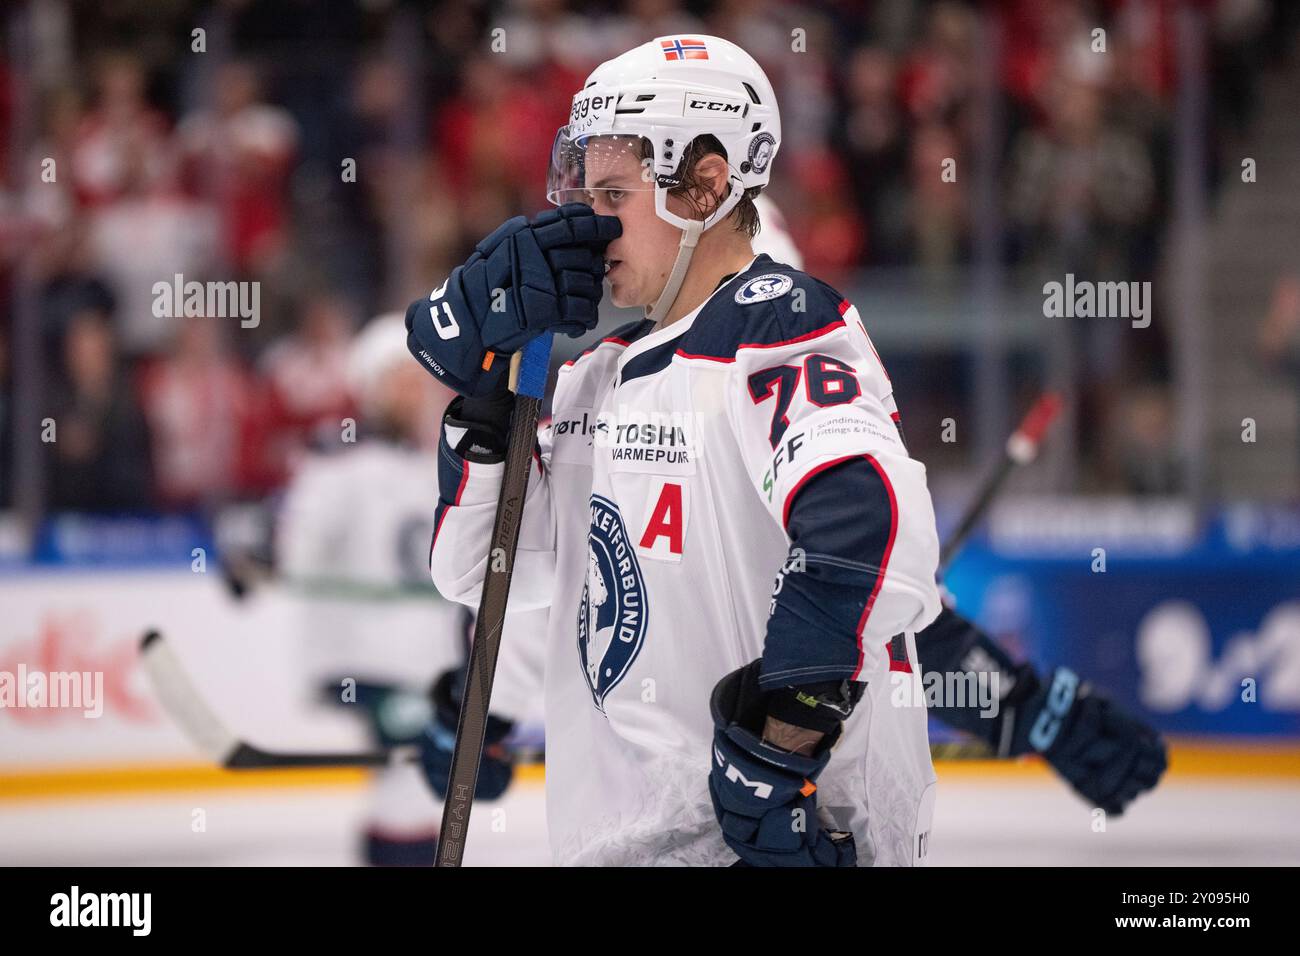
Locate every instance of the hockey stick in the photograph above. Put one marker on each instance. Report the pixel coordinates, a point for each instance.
(528, 381)
(186, 706)
(1022, 448)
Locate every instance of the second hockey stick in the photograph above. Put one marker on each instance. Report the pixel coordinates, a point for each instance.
(189, 710)
(1021, 449)
(182, 700)
(187, 707)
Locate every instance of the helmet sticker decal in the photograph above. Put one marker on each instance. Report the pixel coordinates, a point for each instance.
(761, 148)
(684, 48)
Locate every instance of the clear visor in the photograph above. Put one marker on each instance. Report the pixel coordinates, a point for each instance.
(583, 167)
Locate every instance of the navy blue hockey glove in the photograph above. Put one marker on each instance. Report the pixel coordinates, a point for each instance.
(395, 716)
(765, 797)
(525, 279)
(1107, 756)
(439, 742)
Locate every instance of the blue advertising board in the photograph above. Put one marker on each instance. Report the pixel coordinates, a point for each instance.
(1197, 627)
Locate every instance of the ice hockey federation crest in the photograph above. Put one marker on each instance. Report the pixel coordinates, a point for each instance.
(770, 286)
(612, 613)
(761, 149)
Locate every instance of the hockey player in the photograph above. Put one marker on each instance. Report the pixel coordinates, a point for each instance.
(1106, 755)
(734, 545)
(351, 542)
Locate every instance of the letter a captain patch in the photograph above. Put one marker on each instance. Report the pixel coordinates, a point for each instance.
(663, 529)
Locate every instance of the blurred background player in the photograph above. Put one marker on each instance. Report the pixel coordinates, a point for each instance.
(352, 544)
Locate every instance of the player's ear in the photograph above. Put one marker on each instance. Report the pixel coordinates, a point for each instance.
(711, 173)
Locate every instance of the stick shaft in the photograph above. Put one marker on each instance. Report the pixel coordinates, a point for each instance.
(1021, 449)
(528, 377)
(975, 511)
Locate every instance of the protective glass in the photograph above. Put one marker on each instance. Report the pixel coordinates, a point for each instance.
(584, 166)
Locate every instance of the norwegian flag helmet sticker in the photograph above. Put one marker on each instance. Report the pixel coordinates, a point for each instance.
(684, 48)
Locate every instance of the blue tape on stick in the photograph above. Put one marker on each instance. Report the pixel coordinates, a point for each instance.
(533, 367)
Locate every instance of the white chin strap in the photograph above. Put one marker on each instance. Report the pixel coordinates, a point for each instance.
(692, 229)
(685, 249)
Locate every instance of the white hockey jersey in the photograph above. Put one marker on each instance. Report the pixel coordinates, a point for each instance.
(661, 529)
(352, 542)
(352, 539)
(352, 546)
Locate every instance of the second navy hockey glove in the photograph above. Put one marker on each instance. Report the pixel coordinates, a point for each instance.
(439, 742)
(1107, 756)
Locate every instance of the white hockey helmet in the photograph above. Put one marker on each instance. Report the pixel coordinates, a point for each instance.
(376, 350)
(666, 93)
(655, 100)
(774, 235)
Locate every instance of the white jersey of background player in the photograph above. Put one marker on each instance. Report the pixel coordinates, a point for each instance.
(352, 542)
(683, 462)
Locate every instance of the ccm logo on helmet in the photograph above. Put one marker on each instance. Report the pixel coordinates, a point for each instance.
(695, 104)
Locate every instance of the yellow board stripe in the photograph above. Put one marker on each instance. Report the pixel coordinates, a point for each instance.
(74, 782)
(1188, 758)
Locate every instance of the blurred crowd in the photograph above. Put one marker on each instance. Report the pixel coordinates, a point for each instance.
(346, 154)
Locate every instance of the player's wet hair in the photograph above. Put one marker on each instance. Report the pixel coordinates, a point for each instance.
(744, 217)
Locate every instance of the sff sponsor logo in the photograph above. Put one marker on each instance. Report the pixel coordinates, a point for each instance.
(843, 433)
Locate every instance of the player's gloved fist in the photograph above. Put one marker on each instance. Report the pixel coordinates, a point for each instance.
(527, 278)
(439, 742)
(765, 797)
(1108, 756)
(396, 715)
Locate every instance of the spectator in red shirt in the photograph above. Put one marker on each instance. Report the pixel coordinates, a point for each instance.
(306, 378)
(121, 131)
(202, 409)
(239, 154)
